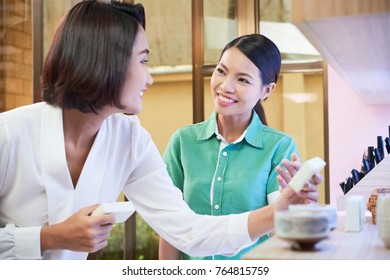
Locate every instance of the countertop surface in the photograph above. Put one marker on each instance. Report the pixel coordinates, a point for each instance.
(340, 244)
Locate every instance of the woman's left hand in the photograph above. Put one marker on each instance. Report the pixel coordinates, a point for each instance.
(309, 192)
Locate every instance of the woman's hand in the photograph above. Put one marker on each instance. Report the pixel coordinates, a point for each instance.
(80, 232)
(261, 220)
(309, 193)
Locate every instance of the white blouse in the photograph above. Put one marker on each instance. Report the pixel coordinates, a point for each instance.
(36, 188)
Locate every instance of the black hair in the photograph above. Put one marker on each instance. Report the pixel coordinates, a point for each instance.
(265, 55)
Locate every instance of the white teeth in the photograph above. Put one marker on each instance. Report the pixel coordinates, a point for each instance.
(226, 100)
(141, 93)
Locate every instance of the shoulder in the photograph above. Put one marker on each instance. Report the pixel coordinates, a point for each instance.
(126, 129)
(276, 134)
(22, 119)
(125, 124)
(23, 113)
(279, 141)
(191, 129)
(190, 133)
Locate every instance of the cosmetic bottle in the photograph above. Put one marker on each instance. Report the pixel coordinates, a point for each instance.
(387, 144)
(379, 145)
(371, 156)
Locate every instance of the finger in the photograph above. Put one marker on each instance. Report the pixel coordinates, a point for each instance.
(99, 246)
(88, 210)
(316, 179)
(103, 235)
(282, 183)
(310, 187)
(310, 195)
(283, 174)
(296, 161)
(289, 167)
(106, 219)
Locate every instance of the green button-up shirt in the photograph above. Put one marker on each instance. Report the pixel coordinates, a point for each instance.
(231, 180)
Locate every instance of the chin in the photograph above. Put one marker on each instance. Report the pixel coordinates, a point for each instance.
(133, 112)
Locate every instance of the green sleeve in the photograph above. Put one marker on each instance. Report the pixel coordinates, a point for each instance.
(284, 150)
(172, 160)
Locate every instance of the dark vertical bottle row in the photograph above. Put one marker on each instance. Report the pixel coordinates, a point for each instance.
(371, 157)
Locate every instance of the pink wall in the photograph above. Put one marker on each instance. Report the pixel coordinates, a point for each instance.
(353, 126)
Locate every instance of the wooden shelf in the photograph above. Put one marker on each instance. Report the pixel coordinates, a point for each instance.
(379, 177)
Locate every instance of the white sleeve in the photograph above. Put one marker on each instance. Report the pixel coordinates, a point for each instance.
(15, 243)
(4, 152)
(272, 197)
(161, 205)
(20, 243)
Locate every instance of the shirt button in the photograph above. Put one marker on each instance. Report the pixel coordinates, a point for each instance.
(219, 179)
(224, 154)
(216, 206)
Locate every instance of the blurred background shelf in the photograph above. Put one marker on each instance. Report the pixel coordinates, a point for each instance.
(378, 177)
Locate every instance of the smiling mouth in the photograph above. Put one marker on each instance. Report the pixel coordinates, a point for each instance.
(225, 99)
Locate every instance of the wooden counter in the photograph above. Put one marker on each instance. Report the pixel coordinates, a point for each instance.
(340, 245)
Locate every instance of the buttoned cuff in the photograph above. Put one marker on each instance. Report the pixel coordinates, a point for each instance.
(28, 243)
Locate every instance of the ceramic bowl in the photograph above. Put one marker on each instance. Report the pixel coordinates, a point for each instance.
(301, 229)
(330, 210)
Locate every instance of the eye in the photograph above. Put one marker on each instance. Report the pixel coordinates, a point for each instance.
(220, 71)
(145, 61)
(242, 80)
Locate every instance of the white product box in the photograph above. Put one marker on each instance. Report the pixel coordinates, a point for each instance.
(354, 213)
(121, 210)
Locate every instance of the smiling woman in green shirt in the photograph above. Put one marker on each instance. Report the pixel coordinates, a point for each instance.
(228, 163)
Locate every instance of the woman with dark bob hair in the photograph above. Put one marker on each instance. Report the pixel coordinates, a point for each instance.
(61, 158)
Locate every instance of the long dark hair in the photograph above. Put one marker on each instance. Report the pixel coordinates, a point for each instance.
(265, 55)
(86, 66)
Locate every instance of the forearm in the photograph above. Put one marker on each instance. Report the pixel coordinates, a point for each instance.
(167, 252)
(261, 221)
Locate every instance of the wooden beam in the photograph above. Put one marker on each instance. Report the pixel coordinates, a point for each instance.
(197, 60)
(247, 16)
(37, 26)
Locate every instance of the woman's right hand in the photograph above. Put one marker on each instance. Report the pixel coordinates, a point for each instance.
(80, 232)
(309, 193)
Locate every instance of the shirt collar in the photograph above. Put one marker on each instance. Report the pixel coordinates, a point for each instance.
(253, 134)
(208, 129)
(255, 130)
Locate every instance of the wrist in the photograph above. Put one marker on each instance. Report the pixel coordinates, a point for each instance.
(49, 238)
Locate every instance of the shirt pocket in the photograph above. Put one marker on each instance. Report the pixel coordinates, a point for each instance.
(249, 190)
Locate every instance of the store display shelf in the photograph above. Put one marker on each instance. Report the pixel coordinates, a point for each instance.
(378, 177)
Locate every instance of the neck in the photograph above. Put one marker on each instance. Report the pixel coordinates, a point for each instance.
(231, 127)
(80, 128)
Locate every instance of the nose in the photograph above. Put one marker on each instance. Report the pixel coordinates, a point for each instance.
(227, 86)
(149, 81)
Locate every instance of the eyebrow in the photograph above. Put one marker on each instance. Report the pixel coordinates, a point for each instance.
(239, 74)
(146, 51)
